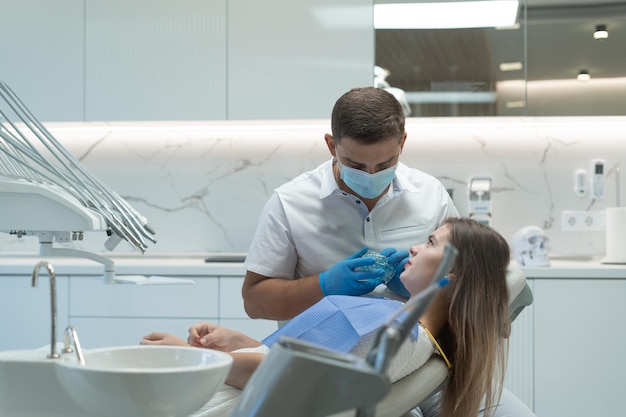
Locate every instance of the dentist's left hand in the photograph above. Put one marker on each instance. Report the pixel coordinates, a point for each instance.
(397, 258)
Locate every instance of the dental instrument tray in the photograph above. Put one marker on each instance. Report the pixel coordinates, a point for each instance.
(46, 192)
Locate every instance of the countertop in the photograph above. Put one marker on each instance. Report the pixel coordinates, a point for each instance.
(575, 268)
(193, 265)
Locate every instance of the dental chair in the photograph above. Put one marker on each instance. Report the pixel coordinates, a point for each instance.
(410, 391)
(322, 382)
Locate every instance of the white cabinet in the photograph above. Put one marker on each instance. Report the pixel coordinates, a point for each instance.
(75, 60)
(25, 321)
(233, 315)
(109, 315)
(118, 314)
(579, 347)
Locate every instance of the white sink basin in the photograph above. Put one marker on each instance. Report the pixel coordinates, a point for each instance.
(154, 381)
(29, 386)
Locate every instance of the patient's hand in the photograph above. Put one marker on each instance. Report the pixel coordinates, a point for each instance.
(158, 338)
(212, 336)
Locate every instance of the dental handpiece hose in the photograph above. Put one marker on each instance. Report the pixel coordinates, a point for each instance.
(392, 334)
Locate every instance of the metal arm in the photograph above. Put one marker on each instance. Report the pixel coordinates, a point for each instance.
(392, 334)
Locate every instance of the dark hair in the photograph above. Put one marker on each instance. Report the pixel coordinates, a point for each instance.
(368, 115)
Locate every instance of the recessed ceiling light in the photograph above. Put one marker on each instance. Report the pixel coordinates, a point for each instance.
(446, 15)
(601, 32)
(583, 75)
(511, 66)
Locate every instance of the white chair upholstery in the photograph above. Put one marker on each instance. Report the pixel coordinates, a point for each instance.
(408, 392)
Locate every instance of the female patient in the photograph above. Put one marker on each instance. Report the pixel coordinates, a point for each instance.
(467, 319)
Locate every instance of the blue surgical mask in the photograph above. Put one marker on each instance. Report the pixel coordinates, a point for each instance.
(364, 184)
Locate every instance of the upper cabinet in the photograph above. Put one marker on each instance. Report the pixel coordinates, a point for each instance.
(88, 60)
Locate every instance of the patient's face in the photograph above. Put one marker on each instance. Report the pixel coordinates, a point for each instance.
(424, 260)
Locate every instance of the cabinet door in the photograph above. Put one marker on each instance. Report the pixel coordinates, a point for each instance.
(155, 60)
(119, 314)
(233, 315)
(25, 321)
(97, 332)
(580, 344)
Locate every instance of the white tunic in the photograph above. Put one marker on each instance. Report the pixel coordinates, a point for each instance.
(309, 224)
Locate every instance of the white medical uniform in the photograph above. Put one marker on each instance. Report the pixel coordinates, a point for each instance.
(309, 224)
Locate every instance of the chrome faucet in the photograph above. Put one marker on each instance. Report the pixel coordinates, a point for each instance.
(72, 336)
(53, 304)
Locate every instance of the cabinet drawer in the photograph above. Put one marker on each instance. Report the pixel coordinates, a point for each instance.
(91, 297)
(103, 332)
(25, 313)
(258, 329)
(231, 301)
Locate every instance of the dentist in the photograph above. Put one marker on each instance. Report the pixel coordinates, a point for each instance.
(362, 197)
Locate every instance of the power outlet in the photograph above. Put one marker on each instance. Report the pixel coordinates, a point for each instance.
(583, 221)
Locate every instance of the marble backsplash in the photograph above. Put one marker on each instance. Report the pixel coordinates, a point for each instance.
(202, 185)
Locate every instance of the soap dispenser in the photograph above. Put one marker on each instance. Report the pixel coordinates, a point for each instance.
(479, 190)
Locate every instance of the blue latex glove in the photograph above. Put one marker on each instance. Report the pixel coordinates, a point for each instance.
(342, 278)
(398, 258)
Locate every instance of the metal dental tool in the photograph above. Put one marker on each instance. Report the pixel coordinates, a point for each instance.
(37, 171)
(395, 331)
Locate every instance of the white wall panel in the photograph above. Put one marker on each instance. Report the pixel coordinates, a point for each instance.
(42, 46)
(155, 60)
(292, 59)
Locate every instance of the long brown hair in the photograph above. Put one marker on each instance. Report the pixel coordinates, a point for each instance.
(478, 320)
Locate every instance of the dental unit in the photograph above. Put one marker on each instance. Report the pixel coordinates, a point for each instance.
(47, 193)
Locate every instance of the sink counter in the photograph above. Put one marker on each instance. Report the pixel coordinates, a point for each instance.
(162, 264)
(194, 265)
(576, 268)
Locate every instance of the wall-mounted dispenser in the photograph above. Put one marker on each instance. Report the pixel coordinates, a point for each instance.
(479, 190)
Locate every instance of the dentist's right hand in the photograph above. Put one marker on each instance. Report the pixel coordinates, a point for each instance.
(342, 279)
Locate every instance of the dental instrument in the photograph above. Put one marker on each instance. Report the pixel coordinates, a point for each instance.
(46, 192)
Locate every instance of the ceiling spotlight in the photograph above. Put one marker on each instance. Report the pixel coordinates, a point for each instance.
(600, 33)
(583, 75)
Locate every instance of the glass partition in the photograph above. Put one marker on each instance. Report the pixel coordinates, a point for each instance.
(528, 68)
